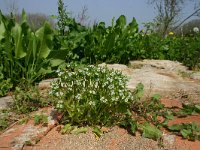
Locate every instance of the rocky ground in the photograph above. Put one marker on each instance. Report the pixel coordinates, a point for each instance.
(172, 80)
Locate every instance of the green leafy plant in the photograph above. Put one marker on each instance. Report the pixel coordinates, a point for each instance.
(68, 128)
(25, 54)
(188, 110)
(40, 119)
(150, 131)
(28, 100)
(189, 131)
(112, 44)
(91, 96)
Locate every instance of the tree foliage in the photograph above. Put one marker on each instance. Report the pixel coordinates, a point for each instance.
(169, 13)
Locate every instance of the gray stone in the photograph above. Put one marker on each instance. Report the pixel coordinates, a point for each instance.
(195, 76)
(5, 101)
(158, 76)
(45, 84)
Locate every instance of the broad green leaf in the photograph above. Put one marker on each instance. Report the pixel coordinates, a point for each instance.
(44, 36)
(24, 16)
(121, 22)
(17, 35)
(43, 71)
(110, 42)
(56, 62)
(2, 30)
(58, 54)
(151, 132)
(133, 26)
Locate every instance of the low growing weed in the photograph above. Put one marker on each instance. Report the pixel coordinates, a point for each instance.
(40, 119)
(151, 109)
(28, 100)
(91, 96)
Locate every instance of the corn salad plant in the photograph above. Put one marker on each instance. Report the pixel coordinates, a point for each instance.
(91, 96)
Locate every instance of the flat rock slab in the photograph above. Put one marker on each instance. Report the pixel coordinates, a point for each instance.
(5, 101)
(160, 76)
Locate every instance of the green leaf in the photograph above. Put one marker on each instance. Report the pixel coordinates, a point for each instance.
(176, 127)
(133, 126)
(139, 91)
(133, 27)
(45, 37)
(97, 131)
(24, 16)
(121, 22)
(79, 130)
(169, 115)
(56, 62)
(17, 35)
(185, 133)
(197, 108)
(2, 30)
(67, 129)
(151, 132)
(156, 97)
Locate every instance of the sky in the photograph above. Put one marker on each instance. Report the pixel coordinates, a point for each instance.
(99, 10)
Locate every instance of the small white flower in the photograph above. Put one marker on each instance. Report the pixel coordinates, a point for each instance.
(59, 94)
(126, 100)
(196, 29)
(60, 73)
(57, 71)
(110, 87)
(112, 99)
(60, 104)
(78, 96)
(103, 99)
(112, 93)
(91, 103)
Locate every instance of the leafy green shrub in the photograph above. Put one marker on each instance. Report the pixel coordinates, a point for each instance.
(24, 53)
(91, 96)
(28, 100)
(112, 44)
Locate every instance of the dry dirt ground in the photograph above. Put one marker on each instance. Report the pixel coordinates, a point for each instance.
(173, 81)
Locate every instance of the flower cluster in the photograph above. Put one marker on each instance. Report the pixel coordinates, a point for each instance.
(91, 90)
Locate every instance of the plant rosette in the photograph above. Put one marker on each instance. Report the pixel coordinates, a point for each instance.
(91, 96)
